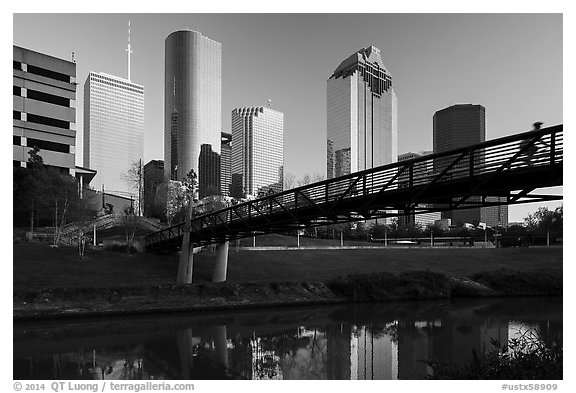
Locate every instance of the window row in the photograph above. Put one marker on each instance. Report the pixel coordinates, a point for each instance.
(42, 144)
(47, 121)
(40, 96)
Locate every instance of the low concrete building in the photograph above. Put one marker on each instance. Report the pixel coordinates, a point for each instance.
(44, 109)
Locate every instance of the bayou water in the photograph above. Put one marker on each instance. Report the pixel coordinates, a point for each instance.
(390, 340)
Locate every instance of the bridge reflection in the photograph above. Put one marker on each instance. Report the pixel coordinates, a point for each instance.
(375, 341)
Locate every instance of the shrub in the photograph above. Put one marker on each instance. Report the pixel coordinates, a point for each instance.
(524, 357)
(384, 286)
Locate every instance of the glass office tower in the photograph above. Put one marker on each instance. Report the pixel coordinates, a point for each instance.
(362, 120)
(192, 107)
(258, 149)
(458, 126)
(113, 130)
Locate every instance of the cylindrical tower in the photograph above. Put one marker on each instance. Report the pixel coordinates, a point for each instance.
(193, 90)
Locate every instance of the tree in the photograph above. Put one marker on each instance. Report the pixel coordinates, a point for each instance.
(546, 221)
(133, 177)
(60, 192)
(27, 186)
(289, 181)
(129, 227)
(435, 228)
(190, 183)
(309, 179)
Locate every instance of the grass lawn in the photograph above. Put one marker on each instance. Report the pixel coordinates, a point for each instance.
(36, 265)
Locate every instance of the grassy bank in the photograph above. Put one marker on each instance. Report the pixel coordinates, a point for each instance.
(52, 282)
(37, 266)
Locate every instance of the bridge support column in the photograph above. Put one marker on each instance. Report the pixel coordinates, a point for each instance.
(186, 263)
(221, 262)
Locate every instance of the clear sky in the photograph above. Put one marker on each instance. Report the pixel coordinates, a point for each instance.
(509, 63)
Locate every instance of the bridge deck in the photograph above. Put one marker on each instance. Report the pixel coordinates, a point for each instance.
(496, 172)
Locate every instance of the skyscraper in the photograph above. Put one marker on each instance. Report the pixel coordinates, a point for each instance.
(458, 126)
(44, 109)
(153, 177)
(113, 129)
(225, 163)
(258, 149)
(362, 120)
(192, 106)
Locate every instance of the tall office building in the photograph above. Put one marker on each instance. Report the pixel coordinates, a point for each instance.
(113, 130)
(362, 120)
(225, 163)
(258, 149)
(192, 107)
(455, 127)
(44, 109)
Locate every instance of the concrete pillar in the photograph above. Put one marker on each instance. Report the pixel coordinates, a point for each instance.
(221, 345)
(221, 262)
(186, 263)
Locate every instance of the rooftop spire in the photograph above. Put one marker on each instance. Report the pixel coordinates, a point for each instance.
(129, 51)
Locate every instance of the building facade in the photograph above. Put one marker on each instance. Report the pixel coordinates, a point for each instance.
(422, 169)
(113, 130)
(258, 149)
(153, 176)
(459, 126)
(192, 99)
(44, 109)
(362, 115)
(225, 163)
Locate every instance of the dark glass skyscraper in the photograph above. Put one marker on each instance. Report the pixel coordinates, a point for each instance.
(153, 177)
(459, 126)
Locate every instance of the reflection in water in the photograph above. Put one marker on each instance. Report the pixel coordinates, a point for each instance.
(372, 341)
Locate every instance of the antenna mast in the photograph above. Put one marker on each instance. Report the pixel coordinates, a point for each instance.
(129, 51)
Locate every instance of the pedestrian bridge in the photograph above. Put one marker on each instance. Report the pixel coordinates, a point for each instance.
(508, 170)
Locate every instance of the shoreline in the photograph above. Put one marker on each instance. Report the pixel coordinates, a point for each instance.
(78, 303)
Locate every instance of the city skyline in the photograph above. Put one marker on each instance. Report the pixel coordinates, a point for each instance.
(457, 60)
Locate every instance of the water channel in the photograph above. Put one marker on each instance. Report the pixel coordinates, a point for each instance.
(354, 341)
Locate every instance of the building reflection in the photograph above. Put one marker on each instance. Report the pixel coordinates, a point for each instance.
(394, 349)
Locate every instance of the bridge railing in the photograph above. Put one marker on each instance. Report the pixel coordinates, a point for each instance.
(509, 153)
(516, 152)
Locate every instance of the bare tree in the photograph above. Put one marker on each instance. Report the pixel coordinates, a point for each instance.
(309, 179)
(130, 227)
(289, 181)
(134, 178)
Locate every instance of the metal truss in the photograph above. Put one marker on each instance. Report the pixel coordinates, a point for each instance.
(502, 171)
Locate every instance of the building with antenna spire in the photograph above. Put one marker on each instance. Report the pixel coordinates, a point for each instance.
(113, 128)
(129, 50)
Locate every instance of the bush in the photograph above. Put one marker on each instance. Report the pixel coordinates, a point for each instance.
(384, 286)
(538, 282)
(524, 357)
(121, 248)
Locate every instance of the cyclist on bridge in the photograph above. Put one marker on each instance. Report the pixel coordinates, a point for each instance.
(531, 151)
